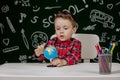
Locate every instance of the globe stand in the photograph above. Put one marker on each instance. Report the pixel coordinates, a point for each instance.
(50, 53)
(51, 66)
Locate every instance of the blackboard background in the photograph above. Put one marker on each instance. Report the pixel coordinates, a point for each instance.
(38, 17)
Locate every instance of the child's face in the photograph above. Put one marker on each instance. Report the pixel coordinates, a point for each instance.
(64, 29)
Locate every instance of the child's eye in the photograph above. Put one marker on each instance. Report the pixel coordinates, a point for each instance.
(57, 28)
(65, 28)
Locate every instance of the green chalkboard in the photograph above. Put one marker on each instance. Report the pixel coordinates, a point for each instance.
(24, 24)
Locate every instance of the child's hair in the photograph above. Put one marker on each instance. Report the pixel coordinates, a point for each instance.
(68, 16)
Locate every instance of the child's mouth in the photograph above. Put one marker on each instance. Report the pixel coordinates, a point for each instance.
(61, 36)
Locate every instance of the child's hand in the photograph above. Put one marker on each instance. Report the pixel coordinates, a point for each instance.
(39, 49)
(59, 62)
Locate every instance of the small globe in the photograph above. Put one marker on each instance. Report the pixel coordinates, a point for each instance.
(50, 52)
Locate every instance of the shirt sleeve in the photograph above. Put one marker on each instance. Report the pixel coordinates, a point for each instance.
(39, 58)
(74, 55)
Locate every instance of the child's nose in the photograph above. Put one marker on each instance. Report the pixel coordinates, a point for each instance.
(61, 31)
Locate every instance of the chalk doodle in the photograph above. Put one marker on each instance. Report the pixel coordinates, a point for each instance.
(6, 50)
(38, 38)
(74, 9)
(47, 22)
(113, 38)
(118, 57)
(6, 41)
(10, 24)
(90, 27)
(109, 6)
(1, 28)
(103, 37)
(23, 3)
(101, 2)
(23, 58)
(103, 18)
(25, 39)
(86, 5)
(34, 20)
(118, 3)
(23, 15)
(48, 7)
(117, 29)
(119, 13)
(36, 8)
(56, 0)
(5, 8)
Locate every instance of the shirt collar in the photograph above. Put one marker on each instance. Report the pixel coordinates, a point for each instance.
(64, 42)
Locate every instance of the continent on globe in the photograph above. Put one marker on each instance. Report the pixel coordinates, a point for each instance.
(50, 52)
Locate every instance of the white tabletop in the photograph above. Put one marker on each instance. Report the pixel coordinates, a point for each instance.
(38, 71)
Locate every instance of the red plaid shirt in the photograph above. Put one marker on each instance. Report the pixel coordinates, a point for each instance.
(69, 50)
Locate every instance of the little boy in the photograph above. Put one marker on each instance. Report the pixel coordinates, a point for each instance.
(69, 49)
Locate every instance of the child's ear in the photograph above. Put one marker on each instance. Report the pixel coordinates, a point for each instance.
(74, 30)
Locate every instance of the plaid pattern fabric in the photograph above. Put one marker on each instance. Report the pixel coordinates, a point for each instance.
(69, 50)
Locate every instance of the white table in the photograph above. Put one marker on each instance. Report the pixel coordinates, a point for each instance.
(39, 71)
